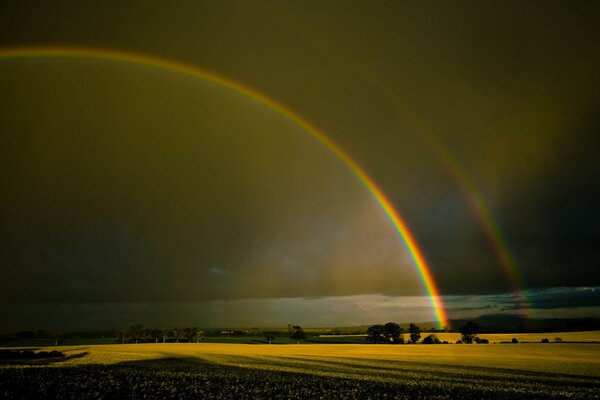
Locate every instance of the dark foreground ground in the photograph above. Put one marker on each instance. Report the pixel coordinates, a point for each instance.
(180, 379)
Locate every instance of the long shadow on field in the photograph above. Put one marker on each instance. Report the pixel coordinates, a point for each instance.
(396, 367)
(42, 358)
(190, 377)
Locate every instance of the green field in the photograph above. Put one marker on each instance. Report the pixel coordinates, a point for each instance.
(206, 370)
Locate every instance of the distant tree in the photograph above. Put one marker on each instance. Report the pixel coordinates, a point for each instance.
(194, 334)
(155, 334)
(515, 340)
(431, 339)
(483, 341)
(176, 334)
(122, 335)
(58, 338)
(298, 334)
(376, 334)
(545, 340)
(269, 337)
(164, 334)
(557, 340)
(469, 331)
(136, 332)
(415, 333)
(393, 333)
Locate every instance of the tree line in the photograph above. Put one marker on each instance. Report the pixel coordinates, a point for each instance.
(392, 333)
(137, 333)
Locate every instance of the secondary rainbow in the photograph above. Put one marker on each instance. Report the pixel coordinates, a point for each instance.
(396, 220)
(491, 228)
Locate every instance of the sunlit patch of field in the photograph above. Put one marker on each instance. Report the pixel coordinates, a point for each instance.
(588, 336)
(210, 370)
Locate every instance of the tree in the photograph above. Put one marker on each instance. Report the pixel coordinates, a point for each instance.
(155, 334)
(58, 338)
(176, 334)
(193, 334)
(393, 333)
(431, 339)
(469, 331)
(122, 335)
(298, 334)
(415, 333)
(136, 332)
(376, 334)
(164, 333)
(269, 337)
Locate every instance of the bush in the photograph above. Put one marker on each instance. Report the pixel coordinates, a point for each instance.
(514, 340)
(459, 341)
(431, 339)
(545, 340)
(558, 340)
(483, 341)
(445, 342)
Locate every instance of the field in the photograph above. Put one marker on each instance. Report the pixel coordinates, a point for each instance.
(209, 370)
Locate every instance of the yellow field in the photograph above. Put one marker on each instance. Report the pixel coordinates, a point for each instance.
(590, 336)
(249, 371)
(578, 359)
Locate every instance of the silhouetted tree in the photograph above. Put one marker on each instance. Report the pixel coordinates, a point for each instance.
(122, 335)
(415, 333)
(269, 337)
(469, 331)
(376, 334)
(136, 332)
(393, 333)
(193, 334)
(176, 334)
(298, 334)
(58, 338)
(164, 334)
(155, 334)
(431, 339)
(515, 340)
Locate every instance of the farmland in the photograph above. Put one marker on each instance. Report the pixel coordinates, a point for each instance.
(207, 370)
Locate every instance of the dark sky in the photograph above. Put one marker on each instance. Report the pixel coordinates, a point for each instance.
(126, 185)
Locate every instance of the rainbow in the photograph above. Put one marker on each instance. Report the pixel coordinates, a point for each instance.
(396, 220)
(491, 228)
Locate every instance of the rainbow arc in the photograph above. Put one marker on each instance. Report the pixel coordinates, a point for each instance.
(392, 214)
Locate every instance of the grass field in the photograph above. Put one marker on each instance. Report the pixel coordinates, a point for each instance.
(208, 370)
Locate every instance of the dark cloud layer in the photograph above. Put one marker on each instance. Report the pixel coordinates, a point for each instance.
(121, 183)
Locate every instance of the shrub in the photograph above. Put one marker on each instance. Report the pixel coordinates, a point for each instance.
(431, 339)
(483, 341)
(558, 340)
(545, 340)
(514, 340)
(459, 341)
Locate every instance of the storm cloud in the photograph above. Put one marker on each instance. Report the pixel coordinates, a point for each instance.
(126, 183)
